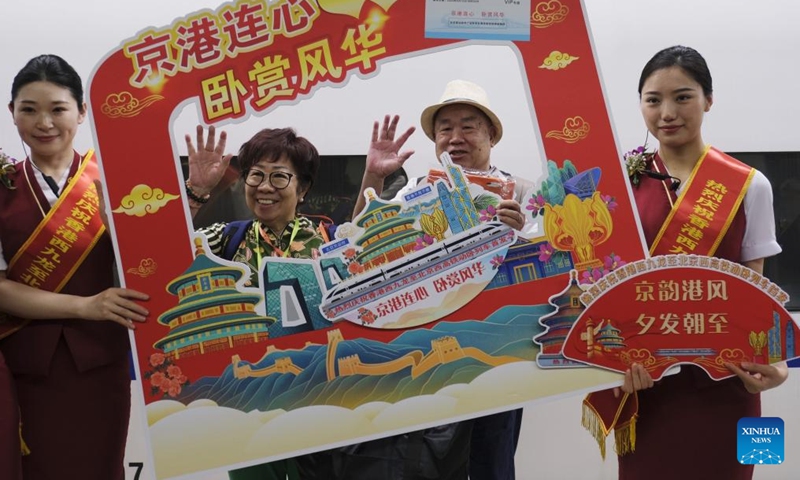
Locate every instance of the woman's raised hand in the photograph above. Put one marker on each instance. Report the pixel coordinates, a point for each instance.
(207, 163)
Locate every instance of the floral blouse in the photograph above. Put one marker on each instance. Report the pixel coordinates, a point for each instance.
(305, 244)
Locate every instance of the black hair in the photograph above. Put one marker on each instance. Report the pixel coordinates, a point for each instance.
(687, 58)
(49, 68)
(272, 144)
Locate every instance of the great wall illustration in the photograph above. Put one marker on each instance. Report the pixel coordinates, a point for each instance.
(444, 350)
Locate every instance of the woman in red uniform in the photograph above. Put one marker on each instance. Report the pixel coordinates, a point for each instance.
(70, 376)
(686, 425)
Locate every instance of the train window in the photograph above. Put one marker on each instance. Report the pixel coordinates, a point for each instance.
(333, 194)
(783, 171)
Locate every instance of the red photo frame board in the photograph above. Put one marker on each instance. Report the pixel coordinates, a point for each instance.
(239, 61)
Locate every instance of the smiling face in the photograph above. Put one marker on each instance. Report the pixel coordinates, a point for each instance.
(673, 105)
(47, 118)
(274, 207)
(466, 134)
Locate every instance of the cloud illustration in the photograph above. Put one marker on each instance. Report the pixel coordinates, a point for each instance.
(202, 436)
(143, 200)
(557, 60)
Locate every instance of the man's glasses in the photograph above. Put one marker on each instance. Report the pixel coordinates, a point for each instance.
(278, 179)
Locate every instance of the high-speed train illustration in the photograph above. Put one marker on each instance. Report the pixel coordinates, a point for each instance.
(496, 234)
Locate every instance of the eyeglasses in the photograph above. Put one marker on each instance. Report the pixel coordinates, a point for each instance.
(278, 179)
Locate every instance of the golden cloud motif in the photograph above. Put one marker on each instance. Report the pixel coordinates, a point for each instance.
(575, 129)
(549, 13)
(146, 267)
(732, 355)
(557, 60)
(352, 7)
(124, 104)
(637, 355)
(144, 200)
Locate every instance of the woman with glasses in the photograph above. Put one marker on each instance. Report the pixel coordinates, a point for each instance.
(278, 168)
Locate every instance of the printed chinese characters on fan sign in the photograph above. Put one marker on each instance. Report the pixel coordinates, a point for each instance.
(419, 312)
(689, 307)
(686, 309)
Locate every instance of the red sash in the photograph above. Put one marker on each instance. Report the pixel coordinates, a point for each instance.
(62, 240)
(706, 206)
(697, 223)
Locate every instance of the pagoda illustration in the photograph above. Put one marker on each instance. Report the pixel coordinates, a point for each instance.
(392, 251)
(211, 314)
(609, 339)
(387, 235)
(558, 324)
(602, 339)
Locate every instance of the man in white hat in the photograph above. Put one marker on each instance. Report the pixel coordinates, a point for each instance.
(463, 125)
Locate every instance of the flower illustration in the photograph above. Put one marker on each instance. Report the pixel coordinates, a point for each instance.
(484, 201)
(174, 388)
(174, 371)
(611, 202)
(355, 268)
(165, 378)
(546, 252)
(423, 242)
(612, 262)
(637, 162)
(496, 261)
(157, 359)
(366, 316)
(536, 205)
(488, 213)
(6, 168)
(592, 275)
(156, 378)
(350, 262)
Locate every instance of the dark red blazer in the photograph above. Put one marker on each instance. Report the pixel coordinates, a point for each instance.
(91, 343)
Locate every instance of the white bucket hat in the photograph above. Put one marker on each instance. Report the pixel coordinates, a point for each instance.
(468, 93)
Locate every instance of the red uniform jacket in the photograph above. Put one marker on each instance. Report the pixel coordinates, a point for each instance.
(92, 344)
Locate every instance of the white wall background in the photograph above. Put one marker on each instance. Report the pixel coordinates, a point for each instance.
(751, 47)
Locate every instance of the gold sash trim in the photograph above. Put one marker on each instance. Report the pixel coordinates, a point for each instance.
(61, 242)
(706, 206)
